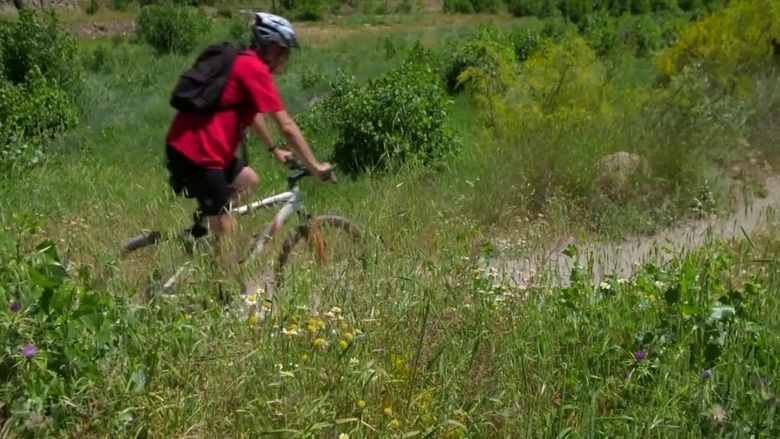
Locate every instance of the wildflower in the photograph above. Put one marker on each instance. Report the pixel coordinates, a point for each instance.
(253, 320)
(28, 350)
(348, 336)
(286, 374)
(394, 423)
(388, 411)
(343, 344)
(361, 404)
(343, 436)
(625, 375)
(311, 328)
(761, 383)
(290, 332)
(251, 300)
(353, 361)
(304, 358)
(319, 342)
(344, 326)
(15, 307)
(622, 280)
(320, 324)
(718, 415)
(706, 373)
(605, 286)
(640, 355)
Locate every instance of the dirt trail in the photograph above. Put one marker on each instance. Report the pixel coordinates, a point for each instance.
(619, 259)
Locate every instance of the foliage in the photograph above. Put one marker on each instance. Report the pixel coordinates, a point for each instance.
(472, 6)
(172, 29)
(727, 45)
(58, 336)
(40, 84)
(475, 52)
(565, 110)
(398, 118)
(303, 10)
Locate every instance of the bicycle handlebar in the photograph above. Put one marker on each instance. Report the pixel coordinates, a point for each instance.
(301, 171)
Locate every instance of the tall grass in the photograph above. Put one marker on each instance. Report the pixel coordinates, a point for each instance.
(429, 342)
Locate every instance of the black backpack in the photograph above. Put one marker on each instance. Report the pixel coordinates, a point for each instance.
(199, 89)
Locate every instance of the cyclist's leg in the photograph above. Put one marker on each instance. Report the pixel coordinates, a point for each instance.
(185, 179)
(241, 178)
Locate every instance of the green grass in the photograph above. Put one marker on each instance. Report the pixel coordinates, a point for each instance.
(434, 342)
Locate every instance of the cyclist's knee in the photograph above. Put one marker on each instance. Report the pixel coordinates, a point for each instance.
(246, 180)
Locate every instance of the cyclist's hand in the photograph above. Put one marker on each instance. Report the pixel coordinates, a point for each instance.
(282, 155)
(324, 172)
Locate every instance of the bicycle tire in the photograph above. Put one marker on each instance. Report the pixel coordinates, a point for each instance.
(302, 231)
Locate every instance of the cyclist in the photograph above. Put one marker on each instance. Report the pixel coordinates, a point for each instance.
(200, 149)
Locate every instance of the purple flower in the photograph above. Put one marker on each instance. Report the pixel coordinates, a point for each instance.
(706, 373)
(761, 383)
(625, 375)
(640, 355)
(29, 350)
(15, 307)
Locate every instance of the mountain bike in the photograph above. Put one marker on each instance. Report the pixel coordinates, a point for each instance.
(309, 230)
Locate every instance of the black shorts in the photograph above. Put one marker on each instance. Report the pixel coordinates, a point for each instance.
(210, 187)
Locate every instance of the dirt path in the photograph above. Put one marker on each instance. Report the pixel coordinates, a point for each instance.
(619, 259)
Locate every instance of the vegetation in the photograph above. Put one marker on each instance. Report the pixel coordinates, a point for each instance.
(458, 151)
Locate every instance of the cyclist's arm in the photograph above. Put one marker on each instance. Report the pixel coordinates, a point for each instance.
(259, 126)
(262, 89)
(293, 134)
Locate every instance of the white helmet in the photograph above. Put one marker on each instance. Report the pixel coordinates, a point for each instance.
(270, 28)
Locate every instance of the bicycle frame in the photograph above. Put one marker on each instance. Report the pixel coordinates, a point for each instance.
(291, 201)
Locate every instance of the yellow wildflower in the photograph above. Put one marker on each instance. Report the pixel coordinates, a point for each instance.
(361, 404)
(394, 423)
(388, 411)
(343, 344)
(319, 342)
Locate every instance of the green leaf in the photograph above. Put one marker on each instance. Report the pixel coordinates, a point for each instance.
(672, 295)
(721, 313)
(571, 251)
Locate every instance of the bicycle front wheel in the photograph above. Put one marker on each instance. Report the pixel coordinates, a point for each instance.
(326, 253)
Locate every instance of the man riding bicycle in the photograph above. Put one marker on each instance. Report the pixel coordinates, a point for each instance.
(201, 148)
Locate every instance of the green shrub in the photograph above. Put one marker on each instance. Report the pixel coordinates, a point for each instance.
(57, 335)
(39, 83)
(31, 44)
(303, 10)
(525, 42)
(172, 29)
(392, 120)
(469, 53)
(523, 8)
(472, 6)
(458, 6)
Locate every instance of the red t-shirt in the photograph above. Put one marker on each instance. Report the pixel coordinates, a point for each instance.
(211, 140)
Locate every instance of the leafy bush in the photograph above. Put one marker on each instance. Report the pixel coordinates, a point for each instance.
(525, 42)
(472, 53)
(172, 29)
(523, 8)
(39, 83)
(726, 45)
(395, 119)
(57, 334)
(471, 6)
(303, 10)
